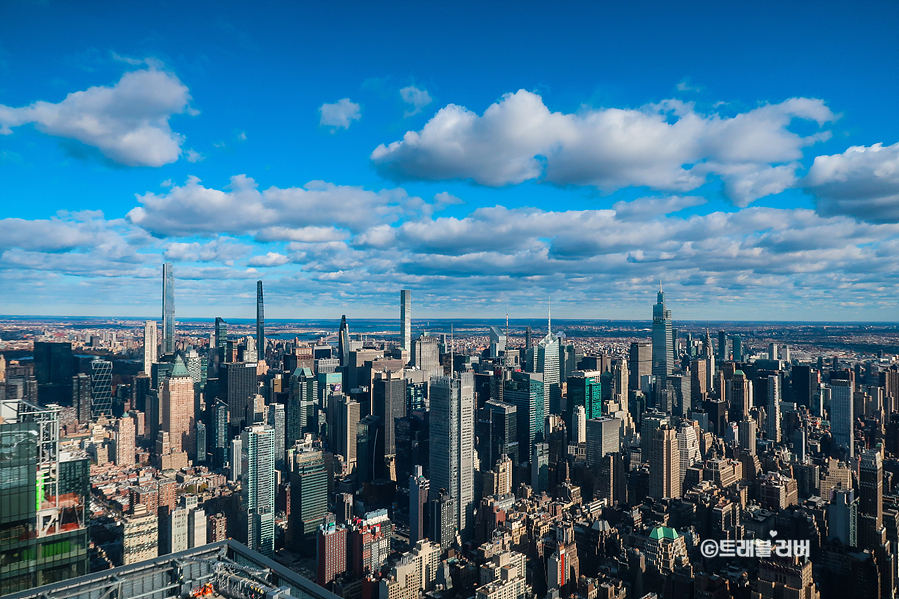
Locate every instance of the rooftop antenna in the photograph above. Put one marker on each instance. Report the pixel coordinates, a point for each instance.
(660, 285)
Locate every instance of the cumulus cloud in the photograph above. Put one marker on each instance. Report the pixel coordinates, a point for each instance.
(647, 208)
(44, 235)
(340, 114)
(194, 156)
(310, 212)
(219, 250)
(667, 146)
(128, 122)
(416, 98)
(270, 259)
(862, 182)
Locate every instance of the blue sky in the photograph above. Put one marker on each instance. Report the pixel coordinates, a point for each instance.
(484, 155)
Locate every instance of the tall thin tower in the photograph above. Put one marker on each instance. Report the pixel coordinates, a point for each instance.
(662, 346)
(260, 322)
(406, 318)
(168, 309)
(150, 343)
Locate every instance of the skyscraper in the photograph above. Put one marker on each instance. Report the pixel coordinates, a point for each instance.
(525, 391)
(773, 417)
(664, 464)
(418, 501)
(842, 415)
(640, 358)
(101, 388)
(343, 421)
(168, 309)
(149, 345)
(309, 498)
(238, 385)
(546, 362)
(388, 402)
(497, 433)
(738, 393)
(301, 404)
(178, 416)
(662, 342)
(258, 487)
(584, 389)
(406, 318)
(343, 342)
(452, 445)
(277, 420)
(260, 323)
(722, 346)
(738, 348)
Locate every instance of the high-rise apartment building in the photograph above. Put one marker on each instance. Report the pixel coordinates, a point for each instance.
(168, 309)
(276, 418)
(150, 345)
(258, 487)
(260, 323)
(140, 536)
(452, 445)
(426, 355)
(124, 439)
(772, 421)
(664, 464)
(406, 318)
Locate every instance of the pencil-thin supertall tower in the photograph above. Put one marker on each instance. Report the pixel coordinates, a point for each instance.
(260, 322)
(168, 309)
(406, 318)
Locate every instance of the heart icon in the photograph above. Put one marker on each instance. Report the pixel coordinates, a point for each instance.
(773, 533)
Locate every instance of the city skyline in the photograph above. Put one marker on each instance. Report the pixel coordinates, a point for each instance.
(523, 164)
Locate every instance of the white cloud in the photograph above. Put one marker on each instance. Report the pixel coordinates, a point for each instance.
(666, 146)
(270, 259)
(647, 208)
(862, 182)
(340, 114)
(242, 136)
(219, 250)
(315, 210)
(128, 122)
(416, 98)
(194, 156)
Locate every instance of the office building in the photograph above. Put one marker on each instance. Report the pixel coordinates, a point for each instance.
(309, 497)
(842, 417)
(603, 438)
(406, 318)
(343, 418)
(442, 513)
(497, 431)
(54, 367)
(585, 389)
(43, 501)
(150, 345)
(101, 388)
(737, 342)
(218, 434)
(426, 355)
(331, 552)
(497, 342)
(196, 528)
(662, 340)
(343, 342)
(722, 347)
(525, 391)
(258, 487)
(639, 363)
(546, 362)
(238, 386)
(870, 485)
(738, 393)
(301, 405)
(178, 415)
(579, 425)
(452, 445)
(388, 403)
(419, 488)
(168, 309)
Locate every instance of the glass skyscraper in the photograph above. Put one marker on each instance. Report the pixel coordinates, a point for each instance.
(258, 474)
(101, 388)
(260, 322)
(662, 340)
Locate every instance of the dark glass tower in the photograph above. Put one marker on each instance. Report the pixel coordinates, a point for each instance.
(260, 322)
(662, 344)
(168, 309)
(343, 342)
